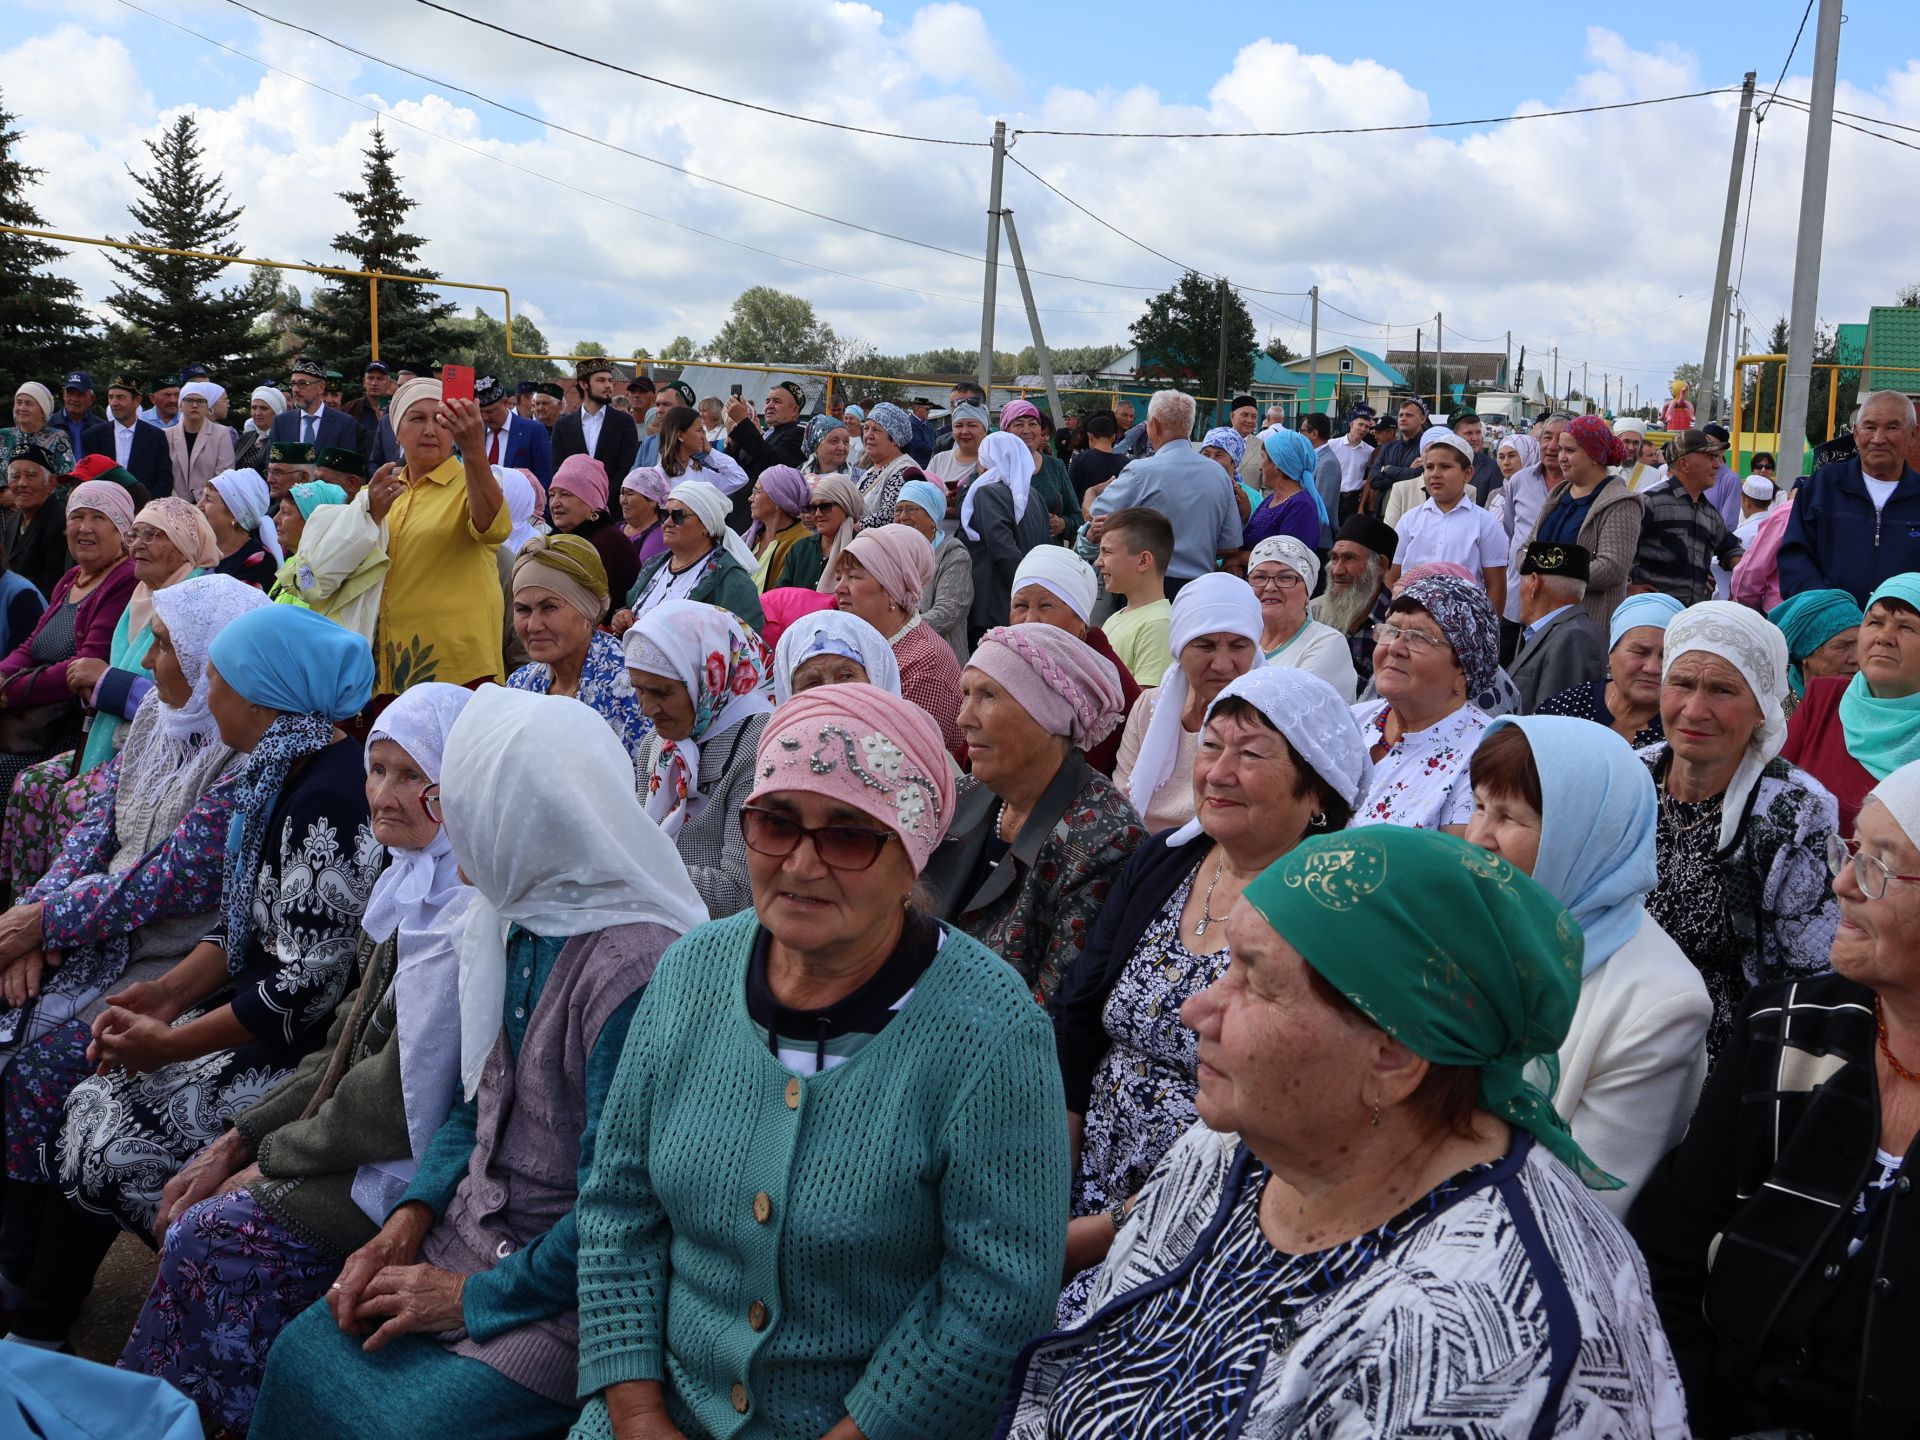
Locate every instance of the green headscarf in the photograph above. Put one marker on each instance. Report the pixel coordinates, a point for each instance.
(1809, 620)
(1453, 952)
(1883, 734)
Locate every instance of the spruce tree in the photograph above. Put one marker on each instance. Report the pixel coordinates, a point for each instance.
(170, 313)
(416, 328)
(44, 332)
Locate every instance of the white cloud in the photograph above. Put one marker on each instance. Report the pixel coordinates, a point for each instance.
(951, 43)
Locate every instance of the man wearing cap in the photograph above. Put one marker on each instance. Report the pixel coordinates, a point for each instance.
(164, 392)
(523, 394)
(596, 429)
(369, 411)
(781, 442)
(512, 442)
(1356, 597)
(1243, 418)
(1724, 493)
(345, 468)
(548, 396)
(1354, 451)
(309, 419)
(1681, 533)
(289, 463)
(138, 447)
(75, 415)
(1560, 646)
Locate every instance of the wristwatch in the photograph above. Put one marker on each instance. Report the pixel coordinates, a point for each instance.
(1117, 1212)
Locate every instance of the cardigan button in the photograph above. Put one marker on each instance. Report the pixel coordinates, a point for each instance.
(757, 1315)
(1832, 1272)
(739, 1397)
(763, 1207)
(793, 1093)
(1883, 1287)
(1903, 1185)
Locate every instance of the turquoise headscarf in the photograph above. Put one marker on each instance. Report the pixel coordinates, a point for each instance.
(1293, 453)
(310, 495)
(295, 661)
(1809, 620)
(1883, 734)
(1598, 812)
(930, 498)
(1637, 610)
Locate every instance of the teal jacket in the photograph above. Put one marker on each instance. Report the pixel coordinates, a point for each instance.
(726, 583)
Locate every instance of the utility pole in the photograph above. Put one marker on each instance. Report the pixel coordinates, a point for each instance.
(1033, 323)
(1417, 338)
(1806, 254)
(989, 292)
(1220, 388)
(1313, 358)
(1555, 392)
(1723, 266)
(1439, 360)
(1723, 358)
(1508, 374)
(1586, 400)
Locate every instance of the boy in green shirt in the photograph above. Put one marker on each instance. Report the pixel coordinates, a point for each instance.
(1135, 549)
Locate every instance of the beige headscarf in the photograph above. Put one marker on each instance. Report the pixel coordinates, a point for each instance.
(843, 492)
(183, 524)
(409, 395)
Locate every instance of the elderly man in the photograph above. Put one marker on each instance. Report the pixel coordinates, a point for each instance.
(1182, 484)
(345, 468)
(289, 463)
(596, 429)
(547, 399)
(1682, 531)
(1643, 467)
(136, 445)
(1356, 598)
(1133, 442)
(309, 419)
(1560, 646)
(75, 415)
(164, 411)
(1857, 521)
(1244, 418)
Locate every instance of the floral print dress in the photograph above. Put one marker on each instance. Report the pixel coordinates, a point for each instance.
(1423, 780)
(605, 685)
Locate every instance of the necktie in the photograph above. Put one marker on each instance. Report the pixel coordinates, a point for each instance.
(493, 447)
(307, 424)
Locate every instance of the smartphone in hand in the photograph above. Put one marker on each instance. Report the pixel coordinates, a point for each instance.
(456, 382)
(734, 390)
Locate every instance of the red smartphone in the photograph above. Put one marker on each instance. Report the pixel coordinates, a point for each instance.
(456, 382)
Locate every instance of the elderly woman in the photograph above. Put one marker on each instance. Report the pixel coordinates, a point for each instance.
(1279, 760)
(33, 523)
(882, 574)
(48, 675)
(829, 446)
(1000, 521)
(885, 433)
(888, 1066)
(458, 1314)
(441, 610)
(251, 451)
(1055, 492)
(1054, 586)
(705, 561)
(1822, 629)
(1038, 834)
(290, 516)
(1215, 638)
(559, 600)
(832, 647)
(1592, 507)
(132, 890)
(778, 497)
(199, 447)
(178, 1054)
(1627, 702)
(578, 497)
(642, 494)
(1439, 644)
(239, 510)
(1779, 1233)
(948, 599)
(1299, 1267)
(1742, 837)
(833, 510)
(1570, 805)
(306, 1174)
(32, 412)
(1283, 571)
(701, 678)
(1852, 731)
(1291, 506)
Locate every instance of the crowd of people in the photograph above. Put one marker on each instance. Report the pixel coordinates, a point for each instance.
(602, 912)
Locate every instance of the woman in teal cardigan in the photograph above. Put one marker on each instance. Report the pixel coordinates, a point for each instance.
(830, 1172)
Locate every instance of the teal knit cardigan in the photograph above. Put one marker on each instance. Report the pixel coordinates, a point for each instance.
(877, 1240)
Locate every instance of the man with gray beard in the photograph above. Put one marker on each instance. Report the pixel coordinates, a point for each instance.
(1355, 599)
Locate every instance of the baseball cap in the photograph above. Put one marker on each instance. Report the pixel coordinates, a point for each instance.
(79, 380)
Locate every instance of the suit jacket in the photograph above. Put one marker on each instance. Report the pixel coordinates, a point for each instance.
(212, 453)
(1326, 479)
(529, 447)
(619, 443)
(147, 458)
(1567, 651)
(337, 428)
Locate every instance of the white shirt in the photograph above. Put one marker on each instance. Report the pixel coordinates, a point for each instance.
(1466, 535)
(1880, 490)
(590, 423)
(122, 442)
(505, 434)
(311, 437)
(1353, 462)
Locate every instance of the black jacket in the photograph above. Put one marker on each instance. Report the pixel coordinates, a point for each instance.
(1746, 1227)
(619, 444)
(781, 445)
(147, 459)
(1393, 462)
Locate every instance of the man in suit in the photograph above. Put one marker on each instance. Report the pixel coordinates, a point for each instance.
(309, 419)
(547, 398)
(596, 428)
(136, 446)
(512, 442)
(1560, 646)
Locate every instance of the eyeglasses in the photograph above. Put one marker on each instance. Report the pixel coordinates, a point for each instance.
(1285, 580)
(818, 509)
(1764, 467)
(840, 847)
(430, 802)
(144, 534)
(677, 517)
(1870, 872)
(1419, 642)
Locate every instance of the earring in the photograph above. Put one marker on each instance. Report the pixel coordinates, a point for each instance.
(1376, 1117)
(1318, 820)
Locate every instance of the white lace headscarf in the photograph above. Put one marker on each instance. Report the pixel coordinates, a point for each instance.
(1754, 646)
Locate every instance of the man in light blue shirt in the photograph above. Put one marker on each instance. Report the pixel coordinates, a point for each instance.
(1193, 492)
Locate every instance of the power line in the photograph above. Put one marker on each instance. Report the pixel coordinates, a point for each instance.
(1792, 50)
(690, 90)
(1801, 107)
(1130, 239)
(1366, 129)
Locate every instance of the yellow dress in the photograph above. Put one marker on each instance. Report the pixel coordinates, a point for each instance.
(442, 610)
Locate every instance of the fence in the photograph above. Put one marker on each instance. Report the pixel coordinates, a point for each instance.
(1774, 368)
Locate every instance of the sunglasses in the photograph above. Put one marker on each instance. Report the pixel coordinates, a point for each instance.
(840, 847)
(818, 509)
(677, 517)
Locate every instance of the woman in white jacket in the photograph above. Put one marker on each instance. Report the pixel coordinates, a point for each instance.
(1570, 803)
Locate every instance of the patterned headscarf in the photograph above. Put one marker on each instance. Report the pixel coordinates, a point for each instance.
(1755, 647)
(895, 421)
(188, 531)
(1066, 686)
(1225, 437)
(1465, 616)
(568, 567)
(1596, 437)
(818, 429)
(833, 632)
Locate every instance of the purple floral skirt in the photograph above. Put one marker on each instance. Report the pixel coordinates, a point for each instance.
(35, 1088)
(46, 802)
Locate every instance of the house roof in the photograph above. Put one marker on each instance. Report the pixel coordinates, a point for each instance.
(1482, 367)
(1893, 338)
(1379, 372)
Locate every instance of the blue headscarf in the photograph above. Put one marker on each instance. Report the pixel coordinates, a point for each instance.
(1637, 610)
(1883, 734)
(930, 498)
(310, 495)
(1293, 453)
(293, 660)
(1809, 620)
(1598, 811)
(818, 429)
(1225, 437)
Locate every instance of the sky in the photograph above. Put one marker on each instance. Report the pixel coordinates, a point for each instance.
(1595, 232)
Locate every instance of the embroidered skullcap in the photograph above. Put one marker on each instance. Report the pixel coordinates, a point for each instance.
(1063, 683)
(1289, 552)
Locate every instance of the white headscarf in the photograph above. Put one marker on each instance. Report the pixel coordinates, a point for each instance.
(205, 389)
(1900, 794)
(558, 857)
(1211, 604)
(1004, 460)
(246, 497)
(1315, 720)
(1061, 573)
(420, 897)
(1754, 646)
(1290, 553)
(516, 492)
(833, 632)
(273, 399)
(703, 497)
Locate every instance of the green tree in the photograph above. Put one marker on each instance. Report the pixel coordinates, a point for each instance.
(487, 352)
(1179, 336)
(1276, 349)
(1067, 359)
(170, 313)
(680, 348)
(43, 328)
(280, 329)
(1909, 297)
(416, 327)
(770, 327)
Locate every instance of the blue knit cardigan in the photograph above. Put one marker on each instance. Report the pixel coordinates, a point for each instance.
(877, 1240)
